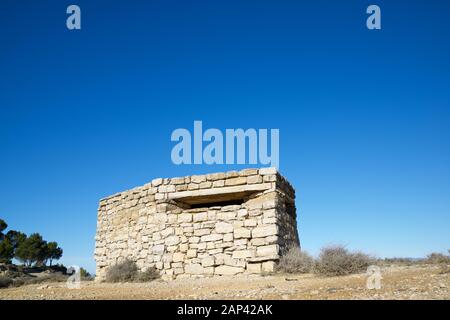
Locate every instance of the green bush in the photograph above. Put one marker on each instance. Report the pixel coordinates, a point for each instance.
(337, 261)
(295, 261)
(127, 271)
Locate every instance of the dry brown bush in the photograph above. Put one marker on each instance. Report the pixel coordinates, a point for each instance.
(295, 261)
(337, 261)
(127, 271)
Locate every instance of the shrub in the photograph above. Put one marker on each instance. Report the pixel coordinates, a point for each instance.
(85, 275)
(437, 258)
(122, 272)
(127, 271)
(336, 261)
(5, 282)
(149, 275)
(295, 261)
(400, 261)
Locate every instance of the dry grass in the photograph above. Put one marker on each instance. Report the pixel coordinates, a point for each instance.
(295, 261)
(127, 271)
(338, 261)
(437, 258)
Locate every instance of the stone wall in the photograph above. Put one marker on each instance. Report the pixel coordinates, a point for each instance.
(214, 224)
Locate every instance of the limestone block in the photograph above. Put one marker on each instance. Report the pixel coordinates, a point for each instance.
(200, 216)
(268, 266)
(208, 261)
(248, 172)
(215, 176)
(157, 182)
(267, 171)
(191, 253)
(205, 185)
(167, 232)
(242, 213)
(223, 227)
(264, 231)
(218, 183)
(177, 180)
(193, 186)
(184, 217)
(198, 179)
(242, 233)
(270, 178)
(254, 267)
(235, 181)
(242, 254)
(194, 268)
(201, 232)
(231, 174)
(166, 188)
(269, 250)
(250, 223)
(254, 179)
(178, 257)
(212, 215)
(211, 237)
(230, 215)
(228, 270)
(194, 239)
(158, 249)
(172, 240)
(228, 237)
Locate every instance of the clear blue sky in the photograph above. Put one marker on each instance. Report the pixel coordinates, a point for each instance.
(364, 116)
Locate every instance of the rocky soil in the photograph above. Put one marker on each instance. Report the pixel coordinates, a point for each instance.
(399, 282)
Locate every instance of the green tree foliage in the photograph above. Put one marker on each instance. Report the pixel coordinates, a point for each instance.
(32, 250)
(3, 226)
(36, 251)
(6, 247)
(53, 252)
(6, 251)
(15, 237)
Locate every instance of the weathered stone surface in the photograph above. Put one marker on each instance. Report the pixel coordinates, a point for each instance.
(208, 261)
(200, 216)
(228, 270)
(254, 179)
(254, 267)
(235, 181)
(178, 257)
(211, 237)
(265, 171)
(242, 254)
(223, 227)
(264, 231)
(172, 240)
(242, 233)
(155, 226)
(194, 268)
(268, 266)
(270, 250)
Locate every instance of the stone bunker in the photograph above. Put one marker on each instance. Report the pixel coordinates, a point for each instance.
(201, 225)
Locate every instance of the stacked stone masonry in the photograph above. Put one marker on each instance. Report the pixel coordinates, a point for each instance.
(202, 225)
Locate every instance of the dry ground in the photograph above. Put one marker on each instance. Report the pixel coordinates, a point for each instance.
(399, 282)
